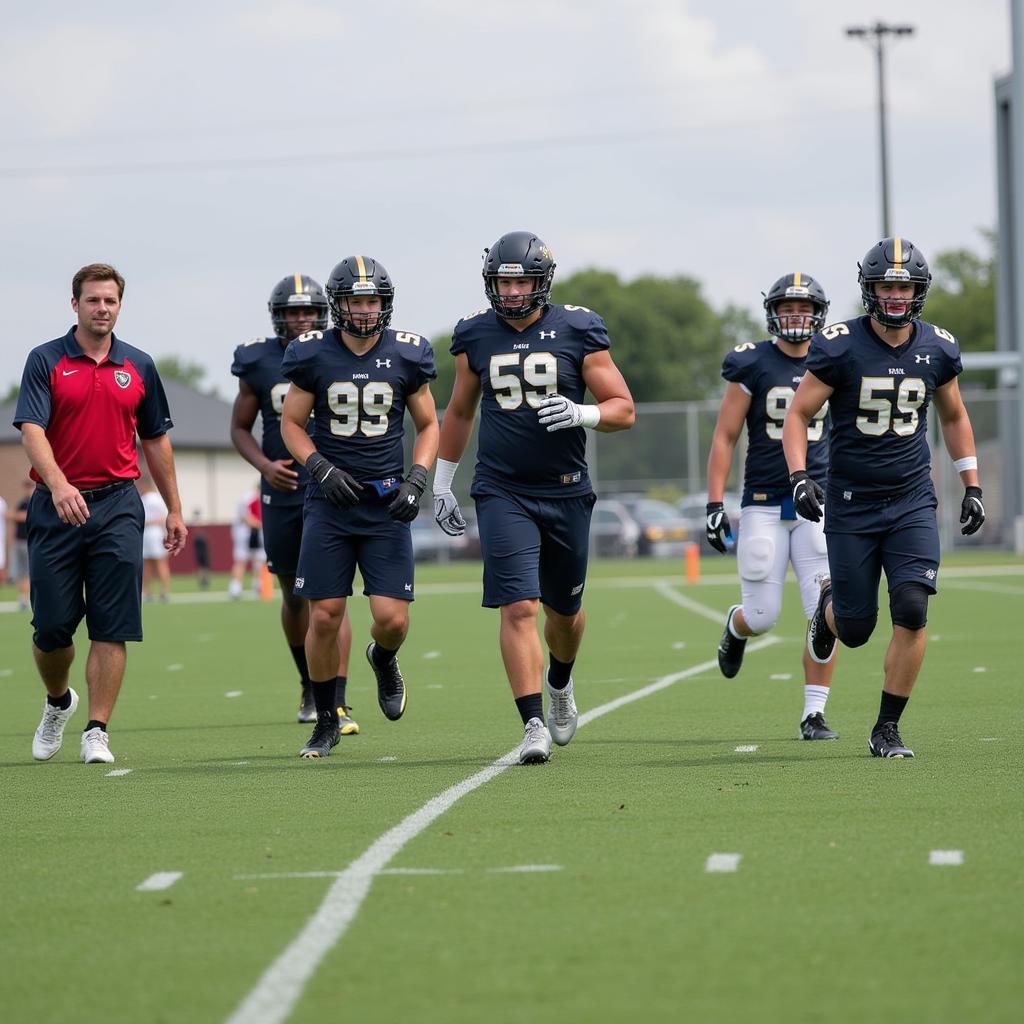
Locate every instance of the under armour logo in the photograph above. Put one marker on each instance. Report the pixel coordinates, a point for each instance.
(300, 582)
(930, 574)
(923, 359)
(546, 334)
(383, 362)
(408, 587)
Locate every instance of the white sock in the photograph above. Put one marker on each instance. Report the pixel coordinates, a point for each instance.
(814, 700)
(732, 628)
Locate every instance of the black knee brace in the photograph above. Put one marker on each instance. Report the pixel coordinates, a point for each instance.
(908, 605)
(856, 632)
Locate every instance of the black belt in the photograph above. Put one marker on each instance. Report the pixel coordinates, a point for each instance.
(95, 493)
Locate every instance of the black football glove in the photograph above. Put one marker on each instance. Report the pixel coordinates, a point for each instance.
(808, 497)
(718, 526)
(972, 511)
(406, 505)
(338, 487)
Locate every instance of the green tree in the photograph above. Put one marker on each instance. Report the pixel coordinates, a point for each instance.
(184, 372)
(11, 394)
(962, 298)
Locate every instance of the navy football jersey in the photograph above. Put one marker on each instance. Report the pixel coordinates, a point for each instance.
(879, 435)
(258, 363)
(517, 371)
(359, 407)
(771, 377)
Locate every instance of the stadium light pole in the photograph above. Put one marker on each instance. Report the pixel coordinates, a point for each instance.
(875, 35)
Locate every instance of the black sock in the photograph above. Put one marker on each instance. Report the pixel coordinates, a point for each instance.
(93, 724)
(381, 655)
(340, 682)
(299, 656)
(323, 697)
(890, 709)
(60, 702)
(559, 672)
(530, 706)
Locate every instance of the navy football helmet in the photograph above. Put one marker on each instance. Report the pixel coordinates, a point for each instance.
(360, 275)
(801, 287)
(296, 292)
(518, 254)
(894, 259)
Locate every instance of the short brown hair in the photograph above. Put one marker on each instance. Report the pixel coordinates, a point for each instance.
(96, 272)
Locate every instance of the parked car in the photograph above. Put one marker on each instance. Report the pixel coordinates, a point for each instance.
(663, 531)
(431, 544)
(693, 508)
(614, 533)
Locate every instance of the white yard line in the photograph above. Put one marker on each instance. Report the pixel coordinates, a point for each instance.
(161, 880)
(274, 996)
(118, 772)
(723, 863)
(946, 858)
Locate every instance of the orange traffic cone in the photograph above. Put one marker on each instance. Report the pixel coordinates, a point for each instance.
(266, 584)
(692, 563)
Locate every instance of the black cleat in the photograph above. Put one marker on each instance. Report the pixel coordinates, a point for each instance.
(885, 742)
(307, 706)
(814, 727)
(390, 686)
(326, 735)
(730, 650)
(821, 641)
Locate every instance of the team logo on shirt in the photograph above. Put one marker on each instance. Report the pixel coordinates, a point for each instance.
(122, 378)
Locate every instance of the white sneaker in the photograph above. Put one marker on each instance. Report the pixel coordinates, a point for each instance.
(536, 748)
(50, 734)
(95, 748)
(562, 714)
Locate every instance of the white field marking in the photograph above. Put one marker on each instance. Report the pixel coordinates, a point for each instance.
(117, 772)
(723, 863)
(946, 858)
(175, 668)
(988, 588)
(525, 869)
(161, 880)
(678, 645)
(239, 763)
(421, 871)
(979, 668)
(279, 988)
(989, 739)
(430, 655)
(433, 686)
(748, 748)
(6, 672)
(781, 675)
(386, 760)
(667, 590)
(233, 693)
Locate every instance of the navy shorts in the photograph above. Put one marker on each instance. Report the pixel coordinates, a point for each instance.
(335, 541)
(93, 570)
(534, 547)
(282, 536)
(899, 535)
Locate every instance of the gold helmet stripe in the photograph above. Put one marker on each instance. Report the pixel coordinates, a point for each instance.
(298, 283)
(361, 267)
(796, 280)
(897, 250)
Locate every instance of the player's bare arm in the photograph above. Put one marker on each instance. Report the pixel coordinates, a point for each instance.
(957, 431)
(605, 382)
(461, 411)
(732, 415)
(160, 460)
(423, 411)
(298, 405)
(277, 472)
(810, 396)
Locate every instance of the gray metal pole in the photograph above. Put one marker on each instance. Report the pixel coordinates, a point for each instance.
(883, 148)
(1016, 161)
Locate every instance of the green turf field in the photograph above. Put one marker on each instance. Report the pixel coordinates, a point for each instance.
(364, 888)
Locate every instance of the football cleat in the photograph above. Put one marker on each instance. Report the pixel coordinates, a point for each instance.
(307, 705)
(50, 734)
(347, 725)
(326, 734)
(562, 713)
(391, 694)
(821, 641)
(814, 727)
(885, 742)
(730, 650)
(536, 748)
(96, 747)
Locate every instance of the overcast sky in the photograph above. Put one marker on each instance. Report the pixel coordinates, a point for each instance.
(209, 149)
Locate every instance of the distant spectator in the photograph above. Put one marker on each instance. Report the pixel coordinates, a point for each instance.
(18, 566)
(202, 549)
(154, 554)
(246, 543)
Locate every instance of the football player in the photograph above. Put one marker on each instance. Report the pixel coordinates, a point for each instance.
(297, 305)
(762, 379)
(359, 378)
(879, 373)
(527, 364)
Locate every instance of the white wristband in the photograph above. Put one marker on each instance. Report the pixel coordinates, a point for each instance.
(444, 474)
(967, 462)
(591, 416)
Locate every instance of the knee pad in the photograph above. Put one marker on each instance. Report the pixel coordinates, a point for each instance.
(755, 558)
(856, 632)
(908, 605)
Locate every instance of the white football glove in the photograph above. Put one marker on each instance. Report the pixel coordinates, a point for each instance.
(557, 412)
(448, 514)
